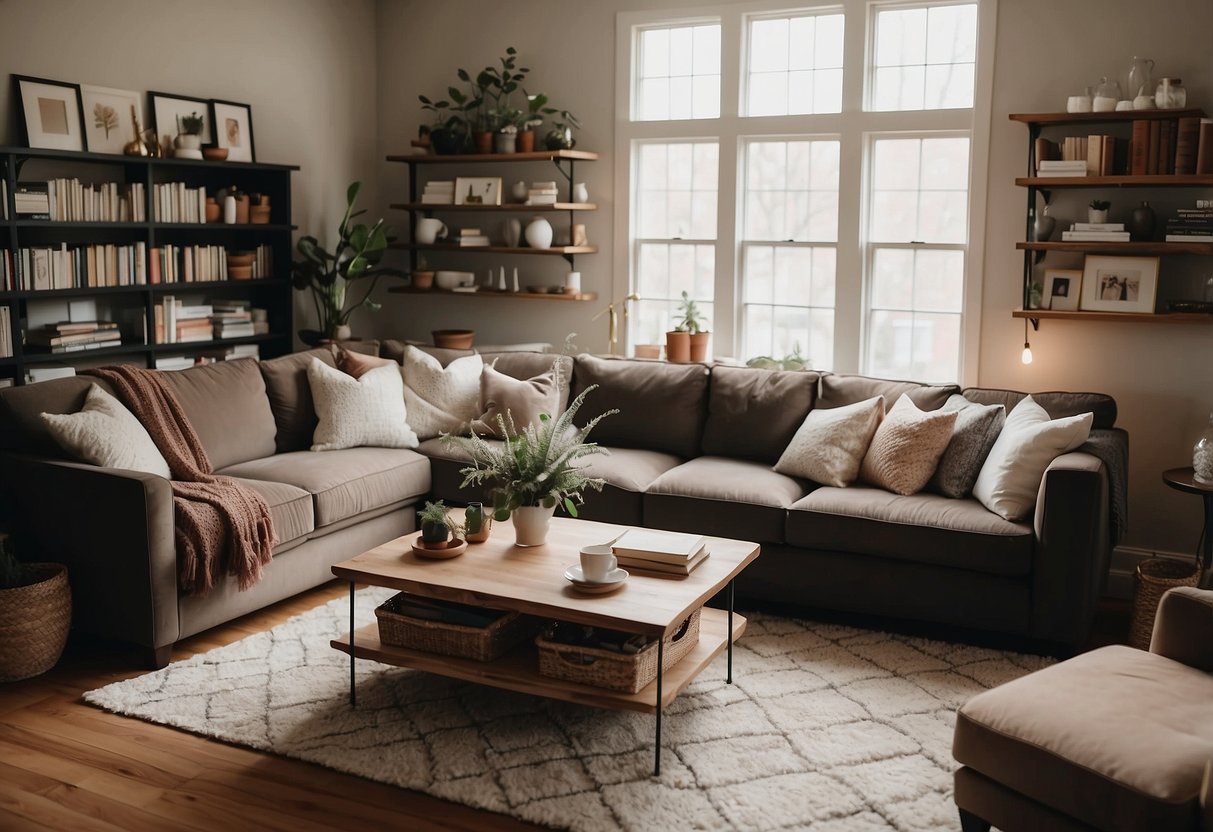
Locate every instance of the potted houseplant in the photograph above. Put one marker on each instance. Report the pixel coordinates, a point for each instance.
(534, 469)
(35, 613)
(687, 341)
(437, 525)
(792, 361)
(328, 274)
(189, 132)
(472, 105)
(1097, 210)
(536, 110)
(448, 132)
(560, 137)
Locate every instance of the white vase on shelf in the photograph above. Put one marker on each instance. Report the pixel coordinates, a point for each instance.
(581, 193)
(539, 233)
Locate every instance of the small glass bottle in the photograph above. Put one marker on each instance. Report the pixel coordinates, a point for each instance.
(1202, 455)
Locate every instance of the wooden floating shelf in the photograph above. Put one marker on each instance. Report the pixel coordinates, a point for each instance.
(1113, 116)
(512, 206)
(1119, 317)
(455, 159)
(1177, 180)
(485, 293)
(1096, 246)
(560, 250)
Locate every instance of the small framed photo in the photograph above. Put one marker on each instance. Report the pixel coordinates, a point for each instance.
(1119, 284)
(109, 117)
(234, 129)
(478, 190)
(1062, 289)
(53, 118)
(168, 110)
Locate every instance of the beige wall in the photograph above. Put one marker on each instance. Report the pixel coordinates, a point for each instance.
(307, 68)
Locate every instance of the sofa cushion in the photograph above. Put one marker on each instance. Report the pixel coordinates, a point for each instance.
(924, 528)
(227, 404)
(830, 445)
(445, 478)
(353, 412)
(290, 398)
(344, 483)
(1115, 738)
(291, 511)
(21, 410)
(107, 434)
(511, 401)
(523, 365)
(440, 399)
(976, 429)
(716, 495)
(1057, 404)
(661, 406)
(837, 391)
(628, 473)
(393, 349)
(752, 414)
(357, 364)
(906, 447)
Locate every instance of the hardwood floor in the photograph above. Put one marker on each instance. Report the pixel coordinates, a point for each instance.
(65, 765)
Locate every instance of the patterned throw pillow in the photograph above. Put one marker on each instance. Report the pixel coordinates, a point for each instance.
(523, 400)
(440, 399)
(977, 428)
(830, 444)
(107, 434)
(358, 411)
(906, 447)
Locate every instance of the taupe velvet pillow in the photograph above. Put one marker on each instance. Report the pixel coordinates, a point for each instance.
(976, 429)
(522, 400)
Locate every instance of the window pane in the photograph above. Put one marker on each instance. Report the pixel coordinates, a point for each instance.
(676, 190)
(794, 65)
(924, 58)
(663, 272)
(920, 190)
(678, 73)
(791, 190)
(788, 302)
(914, 323)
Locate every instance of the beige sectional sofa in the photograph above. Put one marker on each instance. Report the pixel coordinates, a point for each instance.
(691, 449)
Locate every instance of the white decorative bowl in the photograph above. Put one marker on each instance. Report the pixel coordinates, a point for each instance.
(448, 280)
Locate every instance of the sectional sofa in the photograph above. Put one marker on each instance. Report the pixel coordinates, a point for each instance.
(691, 449)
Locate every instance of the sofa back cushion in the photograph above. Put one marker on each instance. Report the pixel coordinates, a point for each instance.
(393, 349)
(753, 414)
(1057, 404)
(21, 427)
(527, 365)
(839, 390)
(227, 405)
(661, 406)
(290, 398)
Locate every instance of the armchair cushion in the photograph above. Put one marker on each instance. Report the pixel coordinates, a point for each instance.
(1183, 628)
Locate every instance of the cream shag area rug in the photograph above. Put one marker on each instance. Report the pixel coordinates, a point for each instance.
(825, 728)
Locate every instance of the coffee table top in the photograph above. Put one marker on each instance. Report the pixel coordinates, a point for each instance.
(497, 573)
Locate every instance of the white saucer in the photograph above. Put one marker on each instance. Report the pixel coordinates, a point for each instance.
(613, 581)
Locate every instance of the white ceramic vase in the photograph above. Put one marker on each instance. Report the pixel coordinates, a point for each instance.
(581, 193)
(531, 525)
(539, 233)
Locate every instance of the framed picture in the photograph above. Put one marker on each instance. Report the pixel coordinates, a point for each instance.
(168, 110)
(1119, 284)
(108, 124)
(53, 118)
(1062, 289)
(478, 190)
(234, 129)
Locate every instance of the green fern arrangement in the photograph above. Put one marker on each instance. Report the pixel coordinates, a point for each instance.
(535, 466)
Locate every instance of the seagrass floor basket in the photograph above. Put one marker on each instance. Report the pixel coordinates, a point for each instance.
(34, 621)
(1153, 578)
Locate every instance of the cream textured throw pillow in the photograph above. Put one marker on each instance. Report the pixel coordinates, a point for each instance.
(107, 434)
(907, 447)
(351, 412)
(439, 399)
(1029, 442)
(524, 401)
(829, 445)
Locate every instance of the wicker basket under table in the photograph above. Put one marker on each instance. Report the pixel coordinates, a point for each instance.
(480, 643)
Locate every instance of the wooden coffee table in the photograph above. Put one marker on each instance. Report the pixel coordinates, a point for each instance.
(531, 580)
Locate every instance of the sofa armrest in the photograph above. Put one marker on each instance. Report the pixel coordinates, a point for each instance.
(114, 531)
(1183, 628)
(1070, 560)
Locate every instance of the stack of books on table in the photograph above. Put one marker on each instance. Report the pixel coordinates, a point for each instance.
(1191, 225)
(75, 336)
(673, 553)
(1101, 232)
(439, 192)
(471, 237)
(1078, 167)
(542, 193)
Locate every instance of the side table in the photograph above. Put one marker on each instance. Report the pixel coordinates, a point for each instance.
(1184, 479)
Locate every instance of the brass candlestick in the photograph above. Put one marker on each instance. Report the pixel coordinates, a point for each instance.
(136, 146)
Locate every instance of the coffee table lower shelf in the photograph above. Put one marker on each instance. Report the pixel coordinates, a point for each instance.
(518, 670)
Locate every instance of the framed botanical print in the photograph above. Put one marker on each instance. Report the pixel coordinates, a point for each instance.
(168, 110)
(109, 117)
(52, 115)
(234, 129)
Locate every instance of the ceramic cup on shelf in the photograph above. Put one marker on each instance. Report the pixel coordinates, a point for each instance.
(430, 230)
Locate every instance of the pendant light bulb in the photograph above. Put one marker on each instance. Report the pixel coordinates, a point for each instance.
(1026, 357)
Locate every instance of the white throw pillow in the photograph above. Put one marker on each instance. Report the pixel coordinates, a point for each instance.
(351, 412)
(831, 442)
(1029, 442)
(107, 434)
(439, 399)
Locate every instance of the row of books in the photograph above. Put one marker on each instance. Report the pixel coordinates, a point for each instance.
(1156, 147)
(74, 336)
(1082, 156)
(468, 237)
(542, 193)
(174, 202)
(101, 265)
(670, 553)
(227, 353)
(70, 200)
(177, 323)
(1191, 225)
(6, 332)
(439, 192)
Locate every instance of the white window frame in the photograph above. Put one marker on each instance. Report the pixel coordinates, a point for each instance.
(853, 126)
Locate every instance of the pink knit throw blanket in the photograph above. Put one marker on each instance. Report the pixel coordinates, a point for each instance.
(220, 525)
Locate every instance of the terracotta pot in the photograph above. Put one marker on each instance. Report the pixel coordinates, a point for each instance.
(526, 141)
(699, 346)
(648, 350)
(678, 347)
(454, 339)
(484, 141)
(423, 280)
(213, 211)
(259, 215)
(242, 206)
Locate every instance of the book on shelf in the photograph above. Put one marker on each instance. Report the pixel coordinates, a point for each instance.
(235, 330)
(48, 372)
(174, 202)
(6, 332)
(1095, 236)
(437, 199)
(70, 200)
(31, 201)
(6, 382)
(1189, 238)
(173, 362)
(95, 266)
(3, 197)
(1098, 226)
(470, 242)
(661, 546)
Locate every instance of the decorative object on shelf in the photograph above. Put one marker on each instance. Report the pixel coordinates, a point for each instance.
(1079, 103)
(539, 233)
(53, 116)
(342, 332)
(1202, 454)
(1141, 223)
(1035, 294)
(581, 193)
(242, 206)
(572, 282)
(478, 190)
(213, 211)
(453, 339)
(215, 154)
(328, 274)
(1062, 288)
(168, 109)
(259, 214)
(538, 467)
(35, 614)
(560, 137)
(501, 279)
(515, 282)
(423, 280)
(1107, 94)
(234, 129)
(138, 146)
(1119, 284)
(1044, 226)
(518, 191)
(229, 209)
(578, 236)
(476, 523)
(448, 280)
(511, 231)
(1141, 83)
(430, 230)
(647, 351)
(678, 346)
(104, 111)
(505, 139)
(1171, 94)
(1097, 210)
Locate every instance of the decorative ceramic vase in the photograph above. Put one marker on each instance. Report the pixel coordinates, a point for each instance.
(342, 332)
(511, 231)
(1141, 223)
(1202, 454)
(423, 280)
(477, 523)
(699, 346)
(229, 209)
(531, 525)
(213, 211)
(1141, 81)
(678, 347)
(188, 141)
(504, 142)
(526, 141)
(539, 233)
(1044, 226)
(483, 141)
(581, 193)
(518, 191)
(242, 206)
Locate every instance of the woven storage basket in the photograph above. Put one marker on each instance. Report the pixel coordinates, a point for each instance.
(616, 671)
(34, 621)
(1153, 578)
(480, 643)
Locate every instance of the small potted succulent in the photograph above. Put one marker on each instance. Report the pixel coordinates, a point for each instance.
(35, 614)
(437, 526)
(1097, 210)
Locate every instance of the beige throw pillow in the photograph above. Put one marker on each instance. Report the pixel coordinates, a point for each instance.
(830, 444)
(522, 400)
(906, 447)
(1029, 442)
(352, 412)
(107, 434)
(440, 399)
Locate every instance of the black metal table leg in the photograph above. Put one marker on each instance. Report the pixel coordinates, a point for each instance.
(729, 678)
(353, 689)
(660, 673)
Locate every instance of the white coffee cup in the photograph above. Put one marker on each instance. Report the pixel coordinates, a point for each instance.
(430, 230)
(597, 562)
